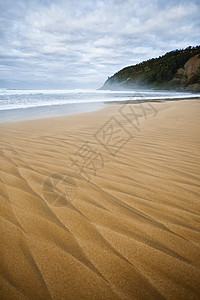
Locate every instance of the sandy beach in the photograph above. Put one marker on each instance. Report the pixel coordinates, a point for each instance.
(102, 205)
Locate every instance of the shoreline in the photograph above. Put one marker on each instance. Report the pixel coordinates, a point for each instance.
(85, 214)
(40, 112)
(152, 100)
(43, 112)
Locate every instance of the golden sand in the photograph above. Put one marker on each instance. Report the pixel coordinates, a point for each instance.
(103, 205)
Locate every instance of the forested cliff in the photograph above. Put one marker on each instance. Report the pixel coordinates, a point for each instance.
(177, 70)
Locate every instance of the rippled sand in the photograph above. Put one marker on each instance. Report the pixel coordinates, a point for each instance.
(103, 205)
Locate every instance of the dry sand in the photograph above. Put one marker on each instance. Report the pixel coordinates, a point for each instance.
(121, 222)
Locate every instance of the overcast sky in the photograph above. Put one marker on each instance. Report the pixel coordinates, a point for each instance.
(79, 43)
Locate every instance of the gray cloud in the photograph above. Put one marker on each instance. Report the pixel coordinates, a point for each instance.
(74, 43)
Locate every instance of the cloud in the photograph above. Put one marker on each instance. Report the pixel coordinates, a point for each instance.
(80, 43)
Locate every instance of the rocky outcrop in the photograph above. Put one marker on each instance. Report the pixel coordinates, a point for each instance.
(188, 77)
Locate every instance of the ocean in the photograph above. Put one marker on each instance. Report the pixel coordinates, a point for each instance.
(29, 104)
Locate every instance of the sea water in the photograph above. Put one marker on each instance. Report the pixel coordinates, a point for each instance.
(29, 104)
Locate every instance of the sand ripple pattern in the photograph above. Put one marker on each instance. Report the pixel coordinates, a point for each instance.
(132, 232)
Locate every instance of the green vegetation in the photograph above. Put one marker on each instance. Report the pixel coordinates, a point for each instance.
(158, 72)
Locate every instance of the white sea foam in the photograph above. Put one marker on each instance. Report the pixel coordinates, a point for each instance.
(15, 99)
